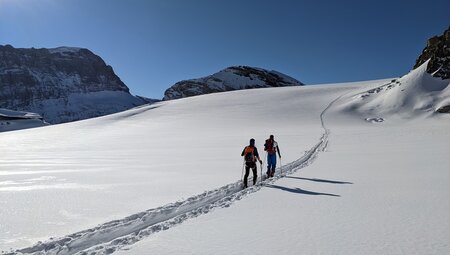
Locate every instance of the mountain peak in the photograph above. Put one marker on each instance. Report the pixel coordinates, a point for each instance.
(228, 79)
(61, 84)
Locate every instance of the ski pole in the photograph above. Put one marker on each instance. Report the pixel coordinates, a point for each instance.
(261, 173)
(281, 165)
(265, 160)
(242, 174)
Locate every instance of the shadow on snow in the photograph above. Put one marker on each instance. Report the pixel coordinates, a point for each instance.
(299, 191)
(319, 180)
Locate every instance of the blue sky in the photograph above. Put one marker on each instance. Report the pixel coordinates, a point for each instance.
(151, 44)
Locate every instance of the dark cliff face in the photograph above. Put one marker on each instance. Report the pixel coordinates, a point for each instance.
(33, 79)
(231, 78)
(438, 51)
(35, 74)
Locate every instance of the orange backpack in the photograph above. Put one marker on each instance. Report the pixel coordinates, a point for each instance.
(249, 154)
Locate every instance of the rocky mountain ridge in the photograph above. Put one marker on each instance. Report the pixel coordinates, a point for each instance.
(231, 78)
(61, 84)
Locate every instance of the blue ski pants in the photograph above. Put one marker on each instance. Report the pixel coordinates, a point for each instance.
(271, 162)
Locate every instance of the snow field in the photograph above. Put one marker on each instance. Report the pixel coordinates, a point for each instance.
(111, 167)
(381, 187)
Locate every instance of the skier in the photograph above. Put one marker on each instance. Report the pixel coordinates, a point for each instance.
(250, 154)
(271, 146)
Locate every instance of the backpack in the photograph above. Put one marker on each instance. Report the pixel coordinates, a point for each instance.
(268, 146)
(249, 154)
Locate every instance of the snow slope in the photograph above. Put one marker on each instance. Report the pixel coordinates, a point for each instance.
(375, 191)
(85, 105)
(84, 173)
(415, 95)
(94, 186)
(380, 188)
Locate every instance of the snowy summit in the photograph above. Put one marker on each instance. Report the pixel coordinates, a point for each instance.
(229, 79)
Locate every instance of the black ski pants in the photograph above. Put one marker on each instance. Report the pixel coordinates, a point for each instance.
(249, 165)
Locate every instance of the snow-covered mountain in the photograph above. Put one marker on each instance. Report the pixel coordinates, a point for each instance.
(417, 94)
(14, 120)
(231, 78)
(422, 92)
(61, 84)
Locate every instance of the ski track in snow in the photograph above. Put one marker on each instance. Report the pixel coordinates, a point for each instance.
(114, 235)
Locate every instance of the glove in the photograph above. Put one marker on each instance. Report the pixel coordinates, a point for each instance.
(260, 161)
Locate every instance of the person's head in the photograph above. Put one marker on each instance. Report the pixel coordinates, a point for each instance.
(271, 137)
(252, 142)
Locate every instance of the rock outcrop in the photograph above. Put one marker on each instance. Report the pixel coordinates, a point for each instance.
(438, 51)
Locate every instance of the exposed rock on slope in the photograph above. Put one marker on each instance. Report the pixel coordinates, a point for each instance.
(231, 78)
(438, 51)
(62, 84)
